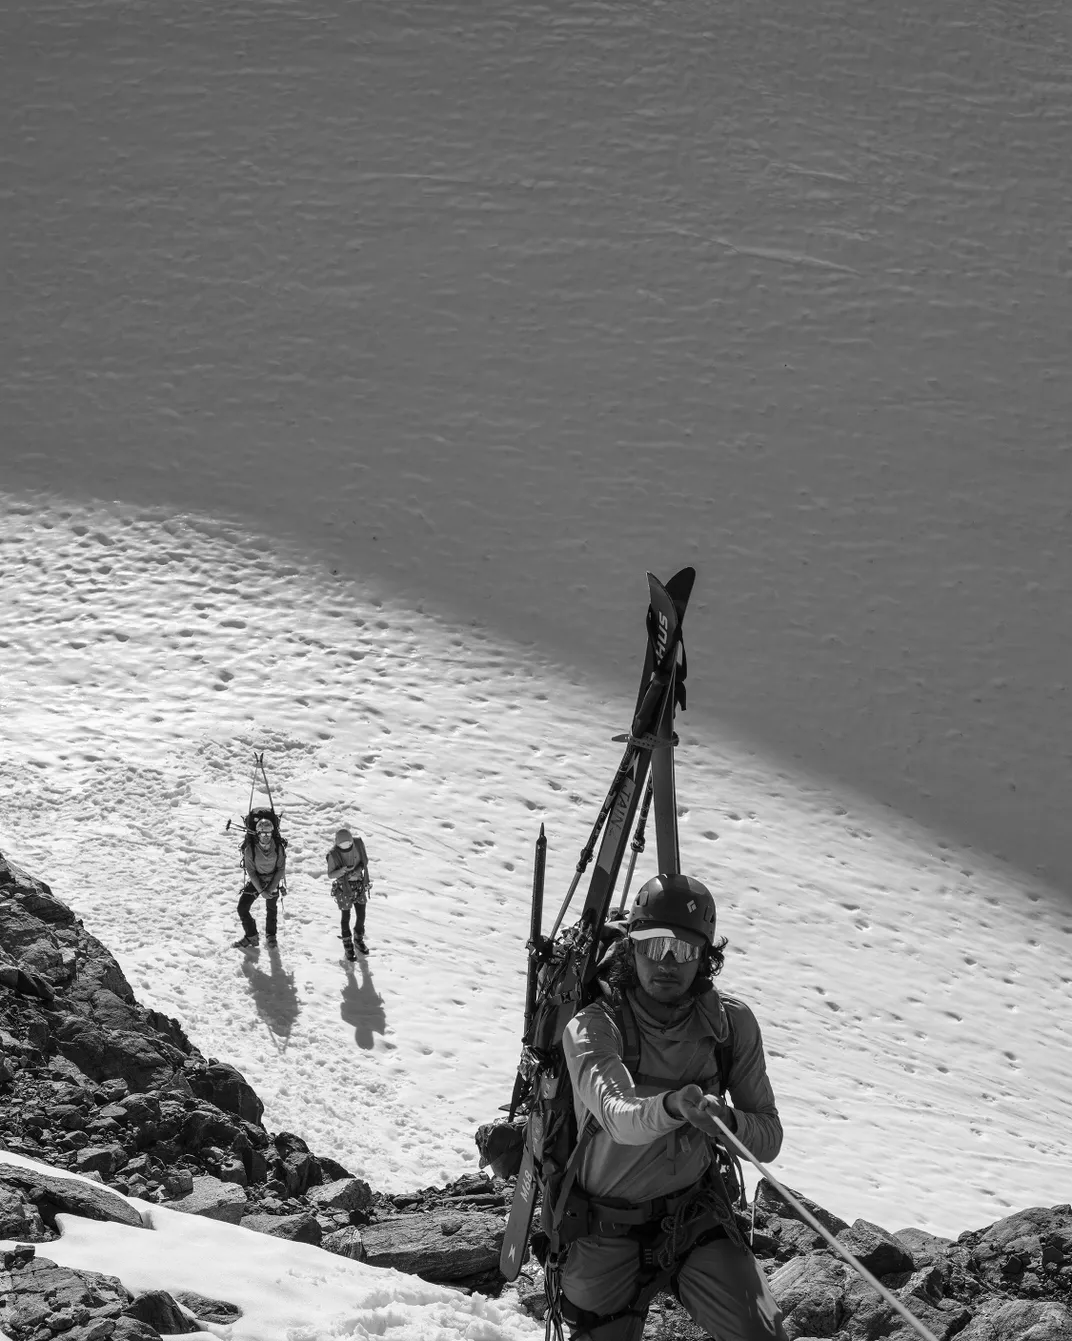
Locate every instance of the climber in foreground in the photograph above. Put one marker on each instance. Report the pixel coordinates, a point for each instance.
(650, 1208)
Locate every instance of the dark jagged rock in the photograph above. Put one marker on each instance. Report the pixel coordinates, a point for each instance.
(25, 983)
(924, 1247)
(346, 1242)
(1033, 1242)
(19, 1217)
(208, 1310)
(450, 1246)
(100, 1053)
(213, 1199)
(343, 1194)
(41, 1298)
(810, 1291)
(974, 1288)
(1020, 1320)
(160, 1310)
(770, 1202)
(52, 1195)
(302, 1228)
(295, 1166)
(879, 1251)
(226, 1088)
(133, 1329)
(332, 1169)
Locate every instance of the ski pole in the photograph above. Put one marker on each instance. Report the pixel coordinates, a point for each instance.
(253, 780)
(810, 1219)
(267, 785)
(522, 1079)
(589, 848)
(539, 865)
(637, 845)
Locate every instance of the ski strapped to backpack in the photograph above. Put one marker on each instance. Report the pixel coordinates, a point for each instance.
(256, 813)
(563, 968)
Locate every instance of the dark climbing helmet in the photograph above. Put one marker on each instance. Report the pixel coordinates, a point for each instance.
(344, 838)
(677, 902)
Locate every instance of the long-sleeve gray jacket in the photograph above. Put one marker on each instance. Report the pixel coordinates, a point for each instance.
(265, 871)
(640, 1151)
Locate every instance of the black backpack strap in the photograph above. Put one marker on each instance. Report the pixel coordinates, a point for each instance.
(570, 1216)
(724, 1056)
(621, 1013)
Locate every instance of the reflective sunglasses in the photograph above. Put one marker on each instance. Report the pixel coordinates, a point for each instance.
(265, 833)
(658, 947)
(345, 847)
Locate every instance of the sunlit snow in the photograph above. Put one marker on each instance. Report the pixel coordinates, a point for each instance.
(907, 991)
(286, 1291)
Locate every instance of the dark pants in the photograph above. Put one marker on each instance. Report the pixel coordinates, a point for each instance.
(271, 911)
(359, 922)
(721, 1286)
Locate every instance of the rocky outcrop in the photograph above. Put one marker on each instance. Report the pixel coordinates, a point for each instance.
(415, 1244)
(40, 1300)
(43, 1196)
(93, 1083)
(1009, 1282)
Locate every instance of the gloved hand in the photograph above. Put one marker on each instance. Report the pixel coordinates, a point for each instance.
(698, 1108)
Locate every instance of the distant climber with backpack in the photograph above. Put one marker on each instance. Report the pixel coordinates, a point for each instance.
(648, 1204)
(350, 887)
(264, 861)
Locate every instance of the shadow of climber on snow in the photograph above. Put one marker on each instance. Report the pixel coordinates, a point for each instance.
(362, 1005)
(274, 995)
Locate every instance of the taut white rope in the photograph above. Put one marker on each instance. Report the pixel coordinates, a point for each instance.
(839, 1248)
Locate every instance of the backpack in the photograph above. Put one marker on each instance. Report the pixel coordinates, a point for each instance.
(359, 844)
(250, 824)
(344, 890)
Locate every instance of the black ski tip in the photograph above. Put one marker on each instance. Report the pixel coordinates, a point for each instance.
(679, 588)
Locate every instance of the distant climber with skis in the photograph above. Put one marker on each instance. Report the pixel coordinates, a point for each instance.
(347, 864)
(264, 860)
(650, 1207)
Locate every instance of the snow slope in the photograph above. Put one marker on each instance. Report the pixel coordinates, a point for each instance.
(910, 993)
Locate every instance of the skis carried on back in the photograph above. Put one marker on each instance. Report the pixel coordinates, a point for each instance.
(562, 966)
(258, 768)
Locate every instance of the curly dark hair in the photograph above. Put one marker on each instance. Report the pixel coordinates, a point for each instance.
(618, 970)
